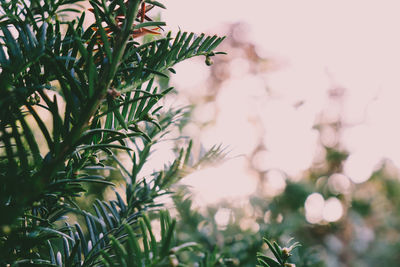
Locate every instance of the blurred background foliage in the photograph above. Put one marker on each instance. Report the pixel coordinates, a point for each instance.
(338, 221)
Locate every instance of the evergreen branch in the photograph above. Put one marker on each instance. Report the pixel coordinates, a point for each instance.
(95, 75)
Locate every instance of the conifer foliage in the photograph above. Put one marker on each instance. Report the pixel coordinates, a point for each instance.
(71, 100)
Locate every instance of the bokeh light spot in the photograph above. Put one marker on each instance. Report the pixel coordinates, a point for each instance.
(339, 183)
(222, 217)
(314, 206)
(333, 210)
(274, 183)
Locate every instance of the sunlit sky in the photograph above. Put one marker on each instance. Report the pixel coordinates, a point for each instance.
(316, 45)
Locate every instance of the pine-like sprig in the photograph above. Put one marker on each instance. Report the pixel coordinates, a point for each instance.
(90, 94)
